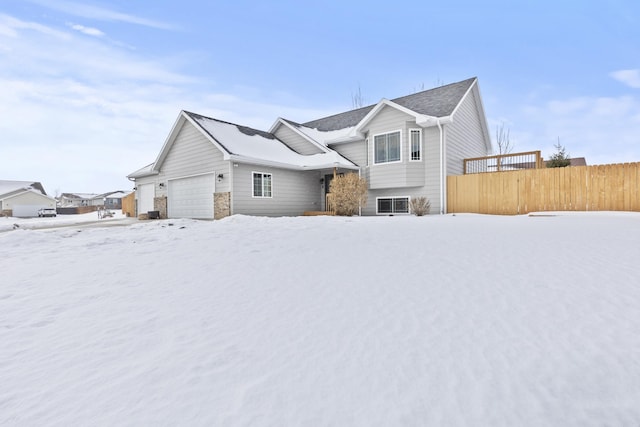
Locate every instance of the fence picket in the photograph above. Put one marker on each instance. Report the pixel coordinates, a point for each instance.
(579, 188)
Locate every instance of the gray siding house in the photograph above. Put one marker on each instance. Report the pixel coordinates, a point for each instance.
(404, 148)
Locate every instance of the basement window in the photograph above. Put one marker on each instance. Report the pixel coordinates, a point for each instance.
(392, 205)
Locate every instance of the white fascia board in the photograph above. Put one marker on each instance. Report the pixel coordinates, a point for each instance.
(274, 127)
(169, 141)
(261, 162)
(226, 155)
(29, 191)
(353, 136)
(142, 174)
(483, 119)
(480, 109)
(421, 119)
(182, 117)
(455, 110)
(429, 121)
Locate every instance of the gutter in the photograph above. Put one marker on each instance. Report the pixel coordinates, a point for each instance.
(261, 162)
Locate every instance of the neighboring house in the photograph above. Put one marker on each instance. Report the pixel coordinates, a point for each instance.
(23, 198)
(75, 200)
(113, 200)
(404, 148)
(110, 200)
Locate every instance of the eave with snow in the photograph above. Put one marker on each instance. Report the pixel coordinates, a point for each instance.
(405, 147)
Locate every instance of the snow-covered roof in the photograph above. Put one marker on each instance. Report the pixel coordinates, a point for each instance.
(19, 192)
(255, 146)
(144, 171)
(86, 196)
(116, 194)
(7, 187)
(327, 137)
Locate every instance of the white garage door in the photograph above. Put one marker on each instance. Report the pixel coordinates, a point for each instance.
(191, 197)
(26, 211)
(145, 197)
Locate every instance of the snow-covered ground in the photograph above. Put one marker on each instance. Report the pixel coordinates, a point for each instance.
(462, 320)
(10, 223)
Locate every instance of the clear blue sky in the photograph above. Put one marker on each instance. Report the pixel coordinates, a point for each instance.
(89, 90)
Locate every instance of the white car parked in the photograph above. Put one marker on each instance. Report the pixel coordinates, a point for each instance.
(47, 212)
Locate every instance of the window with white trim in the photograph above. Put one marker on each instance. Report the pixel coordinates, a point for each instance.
(261, 184)
(415, 136)
(392, 205)
(386, 147)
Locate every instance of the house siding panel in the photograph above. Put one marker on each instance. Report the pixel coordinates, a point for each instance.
(464, 136)
(393, 175)
(431, 160)
(296, 142)
(293, 192)
(354, 151)
(192, 154)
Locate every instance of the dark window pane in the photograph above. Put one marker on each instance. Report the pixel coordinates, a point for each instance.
(401, 205)
(257, 185)
(385, 205)
(393, 140)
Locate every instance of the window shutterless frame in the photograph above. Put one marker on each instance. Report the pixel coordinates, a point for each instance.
(387, 147)
(415, 145)
(392, 205)
(261, 185)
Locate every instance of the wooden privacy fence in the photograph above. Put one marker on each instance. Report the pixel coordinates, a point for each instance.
(579, 188)
(129, 205)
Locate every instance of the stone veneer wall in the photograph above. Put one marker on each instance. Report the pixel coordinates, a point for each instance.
(160, 204)
(221, 205)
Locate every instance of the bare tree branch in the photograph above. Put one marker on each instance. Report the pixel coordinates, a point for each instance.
(357, 100)
(502, 140)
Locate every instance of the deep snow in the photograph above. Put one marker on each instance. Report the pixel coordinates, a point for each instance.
(462, 320)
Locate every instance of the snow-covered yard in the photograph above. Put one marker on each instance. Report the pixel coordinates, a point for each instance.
(462, 320)
(9, 223)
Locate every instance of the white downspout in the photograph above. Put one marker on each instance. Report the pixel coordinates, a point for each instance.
(360, 204)
(442, 210)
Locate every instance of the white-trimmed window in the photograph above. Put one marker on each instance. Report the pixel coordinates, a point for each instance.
(261, 184)
(387, 147)
(392, 205)
(415, 143)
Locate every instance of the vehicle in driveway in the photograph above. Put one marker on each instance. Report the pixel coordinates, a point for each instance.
(44, 212)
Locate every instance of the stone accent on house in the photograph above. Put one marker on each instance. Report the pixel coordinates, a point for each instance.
(160, 205)
(221, 205)
(6, 212)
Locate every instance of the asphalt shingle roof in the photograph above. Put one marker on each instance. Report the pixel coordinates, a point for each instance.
(437, 102)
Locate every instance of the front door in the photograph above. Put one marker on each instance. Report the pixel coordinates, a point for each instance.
(327, 183)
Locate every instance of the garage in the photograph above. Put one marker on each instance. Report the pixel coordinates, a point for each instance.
(191, 197)
(145, 195)
(25, 204)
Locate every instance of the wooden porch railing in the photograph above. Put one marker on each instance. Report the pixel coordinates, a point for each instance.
(328, 205)
(504, 162)
(328, 208)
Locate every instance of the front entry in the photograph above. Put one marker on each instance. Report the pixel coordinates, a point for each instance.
(327, 183)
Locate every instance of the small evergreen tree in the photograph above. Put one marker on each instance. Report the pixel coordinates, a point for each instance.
(560, 158)
(348, 193)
